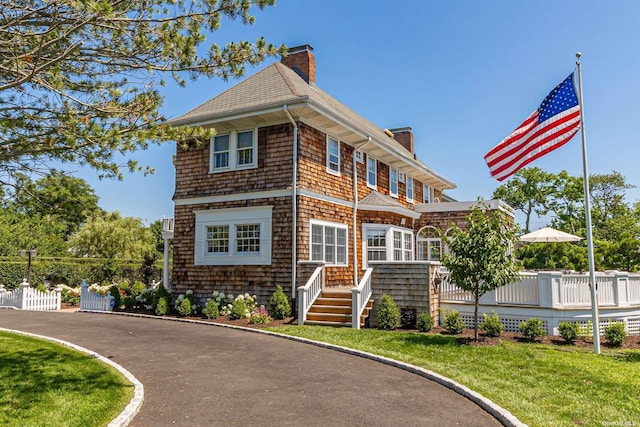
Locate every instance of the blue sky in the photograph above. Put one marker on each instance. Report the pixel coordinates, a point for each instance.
(462, 74)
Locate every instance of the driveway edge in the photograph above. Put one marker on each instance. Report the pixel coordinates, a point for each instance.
(130, 411)
(501, 414)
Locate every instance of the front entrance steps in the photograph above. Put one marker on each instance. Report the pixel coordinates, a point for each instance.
(333, 308)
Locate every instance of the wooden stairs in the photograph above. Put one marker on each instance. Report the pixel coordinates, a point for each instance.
(333, 308)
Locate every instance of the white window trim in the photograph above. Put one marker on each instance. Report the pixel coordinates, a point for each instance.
(233, 152)
(391, 193)
(389, 229)
(328, 143)
(407, 195)
(233, 217)
(335, 225)
(359, 156)
(401, 177)
(375, 172)
(427, 194)
(428, 241)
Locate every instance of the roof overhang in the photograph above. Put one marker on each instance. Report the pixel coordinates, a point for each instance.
(372, 141)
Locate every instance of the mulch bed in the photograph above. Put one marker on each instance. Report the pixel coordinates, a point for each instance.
(466, 337)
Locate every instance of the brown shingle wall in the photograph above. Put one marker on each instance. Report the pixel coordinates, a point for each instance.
(275, 151)
(409, 284)
(260, 280)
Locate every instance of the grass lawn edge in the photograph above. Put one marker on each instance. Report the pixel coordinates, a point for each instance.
(134, 405)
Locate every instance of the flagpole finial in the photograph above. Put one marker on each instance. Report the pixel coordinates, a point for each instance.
(578, 55)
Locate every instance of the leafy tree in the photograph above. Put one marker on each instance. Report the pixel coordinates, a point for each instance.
(112, 236)
(564, 255)
(528, 191)
(567, 204)
(480, 259)
(79, 79)
(70, 200)
(19, 231)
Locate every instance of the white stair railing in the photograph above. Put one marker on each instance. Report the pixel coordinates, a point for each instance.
(308, 293)
(360, 295)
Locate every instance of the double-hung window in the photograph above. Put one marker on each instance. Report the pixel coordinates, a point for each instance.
(393, 182)
(328, 242)
(233, 236)
(409, 192)
(372, 172)
(386, 242)
(333, 156)
(426, 194)
(235, 150)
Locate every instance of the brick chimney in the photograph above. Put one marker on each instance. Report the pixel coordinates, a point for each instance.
(405, 137)
(301, 60)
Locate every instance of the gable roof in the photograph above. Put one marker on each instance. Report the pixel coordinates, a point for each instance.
(377, 201)
(264, 96)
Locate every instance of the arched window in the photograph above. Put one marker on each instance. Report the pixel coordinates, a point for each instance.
(429, 244)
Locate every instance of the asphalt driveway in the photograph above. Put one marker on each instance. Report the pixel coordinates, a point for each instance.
(201, 375)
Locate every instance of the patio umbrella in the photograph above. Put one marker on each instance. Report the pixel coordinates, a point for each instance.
(548, 235)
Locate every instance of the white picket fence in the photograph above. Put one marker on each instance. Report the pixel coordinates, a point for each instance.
(27, 298)
(90, 300)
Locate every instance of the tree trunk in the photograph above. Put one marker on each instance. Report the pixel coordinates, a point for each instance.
(475, 319)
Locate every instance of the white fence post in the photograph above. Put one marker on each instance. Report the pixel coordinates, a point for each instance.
(58, 292)
(84, 295)
(549, 289)
(24, 294)
(620, 289)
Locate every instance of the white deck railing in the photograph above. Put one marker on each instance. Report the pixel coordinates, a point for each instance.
(308, 293)
(360, 295)
(555, 290)
(90, 300)
(28, 298)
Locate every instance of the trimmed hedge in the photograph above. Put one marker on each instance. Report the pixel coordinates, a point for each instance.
(70, 271)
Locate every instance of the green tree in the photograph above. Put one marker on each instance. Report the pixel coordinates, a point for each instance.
(79, 79)
(112, 236)
(70, 200)
(481, 258)
(528, 191)
(19, 231)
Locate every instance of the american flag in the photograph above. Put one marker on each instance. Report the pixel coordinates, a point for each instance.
(549, 127)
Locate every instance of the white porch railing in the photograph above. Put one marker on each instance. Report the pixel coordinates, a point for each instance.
(550, 289)
(308, 293)
(89, 300)
(360, 295)
(28, 298)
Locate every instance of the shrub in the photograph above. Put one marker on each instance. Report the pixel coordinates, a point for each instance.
(279, 306)
(184, 309)
(260, 316)
(388, 314)
(70, 295)
(162, 306)
(128, 301)
(146, 298)
(452, 322)
(615, 334)
(192, 302)
(115, 293)
(159, 294)
(211, 310)
(532, 329)
(569, 331)
(239, 308)
(492, 326)
(424, 322)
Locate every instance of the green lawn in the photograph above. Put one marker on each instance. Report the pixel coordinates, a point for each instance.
(541, 385)
(46, 384)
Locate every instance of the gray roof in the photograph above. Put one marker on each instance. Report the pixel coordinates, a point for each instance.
(266, 94)
(376, 201)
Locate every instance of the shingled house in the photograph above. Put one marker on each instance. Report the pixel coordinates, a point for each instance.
(293, 177)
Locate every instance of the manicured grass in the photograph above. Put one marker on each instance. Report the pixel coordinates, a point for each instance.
(46, 384)
(542, 385)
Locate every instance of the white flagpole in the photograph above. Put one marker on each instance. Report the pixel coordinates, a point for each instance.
(587, 212)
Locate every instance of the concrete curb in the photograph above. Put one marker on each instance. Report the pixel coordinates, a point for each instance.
(130, 411)
(501, 414)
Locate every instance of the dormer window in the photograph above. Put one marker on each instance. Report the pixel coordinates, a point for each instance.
(235, 150)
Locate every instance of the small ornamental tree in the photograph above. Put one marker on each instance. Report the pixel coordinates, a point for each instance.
(480, 258)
